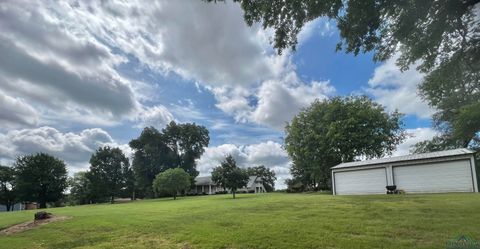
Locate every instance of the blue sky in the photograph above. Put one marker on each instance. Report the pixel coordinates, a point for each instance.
(77, 75)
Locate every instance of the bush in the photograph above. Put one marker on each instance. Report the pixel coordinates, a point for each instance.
(42, 215)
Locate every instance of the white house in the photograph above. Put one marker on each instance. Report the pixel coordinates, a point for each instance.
(204, 184)
(435, 172)
(254, 185)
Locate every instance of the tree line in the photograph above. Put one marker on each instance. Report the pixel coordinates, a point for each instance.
(163, 163)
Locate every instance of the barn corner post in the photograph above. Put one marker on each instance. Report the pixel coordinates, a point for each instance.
(474, 173)
(333, 182)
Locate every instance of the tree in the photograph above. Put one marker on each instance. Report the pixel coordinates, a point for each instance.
(442, 36)
(432, 31)
(294, 185)
(41, 178)
(172, 181)
(229, 176)
(457, 100)
(130, 183)
(267, 175)
(188, 142)
(339, 130)
(7, 187)
(80, 188)
(178, 145)
(106, 174)
(151, 156)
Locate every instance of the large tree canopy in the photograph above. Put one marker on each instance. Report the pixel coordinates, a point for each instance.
(428, 29)
(178, 145)
(106, 174)
(229, 176)
(442, 36)
(7, 187)
(80, 189)
(172, 182)
(339, 130)
(151, 156)
(188, 142)
(41, 178)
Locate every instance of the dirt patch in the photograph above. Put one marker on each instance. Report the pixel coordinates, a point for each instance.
(30, 225)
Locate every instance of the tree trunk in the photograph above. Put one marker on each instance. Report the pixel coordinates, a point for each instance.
(233, 192)
(174, 196)
(8, 206)
(112, 199)
(133, 195)
(43, 204)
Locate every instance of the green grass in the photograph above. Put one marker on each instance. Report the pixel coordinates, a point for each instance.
(258, 221)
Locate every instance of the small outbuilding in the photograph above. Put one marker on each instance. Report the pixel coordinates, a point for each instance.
(435, 172)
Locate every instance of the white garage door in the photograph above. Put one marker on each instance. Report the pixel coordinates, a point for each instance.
(454, 176)
(366, 181)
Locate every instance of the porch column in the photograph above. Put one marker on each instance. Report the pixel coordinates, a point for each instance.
(209, 189)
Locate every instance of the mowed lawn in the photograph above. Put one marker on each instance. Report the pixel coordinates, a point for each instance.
(274, 220)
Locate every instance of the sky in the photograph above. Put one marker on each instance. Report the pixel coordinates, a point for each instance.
(77, 75)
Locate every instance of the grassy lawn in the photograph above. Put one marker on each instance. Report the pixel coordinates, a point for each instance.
(258, 221)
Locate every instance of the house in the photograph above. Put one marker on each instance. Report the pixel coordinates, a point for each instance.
(205, 185)
(254, 185)
(435, 172)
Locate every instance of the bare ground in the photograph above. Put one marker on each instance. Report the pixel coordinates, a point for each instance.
(18, 228)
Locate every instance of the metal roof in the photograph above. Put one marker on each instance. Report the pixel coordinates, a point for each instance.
(430, 155)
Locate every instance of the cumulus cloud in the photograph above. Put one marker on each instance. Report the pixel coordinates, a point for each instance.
(74, 148)
(209, 43)
(59, 68)
(156, 116)
(398, 90)
(63, 57)
(274, 102)
(233, 101)
(415, 135)
(270, 154)
(280, 100)
(16, 112)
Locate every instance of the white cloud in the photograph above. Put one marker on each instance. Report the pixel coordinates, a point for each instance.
(398, 90)
(280, 100)
(59, 68)
(415, 135)
(74, 148)
(320, 26)
(66, 59)
(233, 101)
(156, 116)
(16, 112)
(270, 154)
(209, 43)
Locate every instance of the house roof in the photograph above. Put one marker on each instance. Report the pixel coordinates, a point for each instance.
(204, 180)
(207, 180)
(422, 156)
(251, 181)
